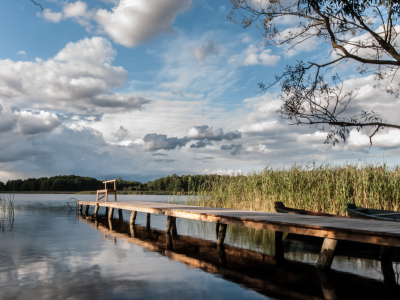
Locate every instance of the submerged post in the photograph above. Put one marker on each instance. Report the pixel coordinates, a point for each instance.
(133, 217)
(110, 215)
(327, 253)
(120, 216)
(221, 234)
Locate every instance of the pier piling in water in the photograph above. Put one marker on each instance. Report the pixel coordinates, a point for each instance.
(327, 253)
(221, 234)
(133, 217)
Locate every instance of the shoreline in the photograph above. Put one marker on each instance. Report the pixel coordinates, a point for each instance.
(95, 192)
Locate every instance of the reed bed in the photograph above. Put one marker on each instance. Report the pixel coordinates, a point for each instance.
(6, 213)
(317, 187)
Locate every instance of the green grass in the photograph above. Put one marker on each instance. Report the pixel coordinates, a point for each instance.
(323, 188)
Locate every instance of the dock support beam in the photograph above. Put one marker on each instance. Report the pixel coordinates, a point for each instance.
(389, 277)
(173, 227)
(86, 210)
(327, 253)
(110, 215)
(96, 210)
(170, 222)
(221, 234)
(120, 216)
(133, 217)
(80, 208)
(148, 221)
(106, 214)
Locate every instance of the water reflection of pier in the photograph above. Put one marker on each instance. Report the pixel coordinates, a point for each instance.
(269, 275)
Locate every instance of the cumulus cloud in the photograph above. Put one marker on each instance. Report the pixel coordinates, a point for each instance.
(131, 22)
(201, 144)
(154, 142)
(50, 16)
(22, 53)
(207, 132)
(203, 51)
(121, 133)
(76, 9)
(79, 79)
(236, 149)
(30, 123)
(8, 119)
(258, 56)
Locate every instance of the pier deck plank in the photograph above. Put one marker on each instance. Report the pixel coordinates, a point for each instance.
(360, 230)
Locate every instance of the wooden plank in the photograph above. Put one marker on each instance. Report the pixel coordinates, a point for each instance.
(368, 231)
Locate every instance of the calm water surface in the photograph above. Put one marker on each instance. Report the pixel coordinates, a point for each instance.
(48, 251)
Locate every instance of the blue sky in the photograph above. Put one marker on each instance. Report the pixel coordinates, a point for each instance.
(141, 89)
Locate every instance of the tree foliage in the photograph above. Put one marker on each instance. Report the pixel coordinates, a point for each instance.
(365, 32)
(71, 183)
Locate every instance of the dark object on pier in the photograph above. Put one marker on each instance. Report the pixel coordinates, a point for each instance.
(281, 208)
(369, 213)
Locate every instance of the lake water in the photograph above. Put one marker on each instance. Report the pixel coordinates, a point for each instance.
(49, 251)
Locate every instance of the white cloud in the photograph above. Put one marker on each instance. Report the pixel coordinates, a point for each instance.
(203, 51)
(79, 79)
(258, 56)
(132, 22)
(22, 53)
(8, 119)
(121, 133)
(207, 132)
(154, 142)
(76, 9)
(50, 16)
(30, 123)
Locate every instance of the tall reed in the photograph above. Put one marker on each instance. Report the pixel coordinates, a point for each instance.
(6, 213)
(323, 188)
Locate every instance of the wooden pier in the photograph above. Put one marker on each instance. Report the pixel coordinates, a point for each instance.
(384, 233)
(251, 269)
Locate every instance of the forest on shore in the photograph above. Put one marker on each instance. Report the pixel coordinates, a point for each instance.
(185, 184)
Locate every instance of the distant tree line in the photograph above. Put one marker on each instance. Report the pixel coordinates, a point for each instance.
(68, 183)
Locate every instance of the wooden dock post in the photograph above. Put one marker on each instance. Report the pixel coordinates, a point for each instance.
(170, 220)
(86, 210)
(173, 227)
(96, 210)
(221, 234)
(327, 253)
(120, 216)
(279, 253)
(148, 221)
(106, 213)
(80, 207)
(110, 215)
(110, 224)
(217, 229)
(387, 266)
(133, 217)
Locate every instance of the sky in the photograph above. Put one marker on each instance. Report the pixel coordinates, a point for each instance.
(142, 89)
